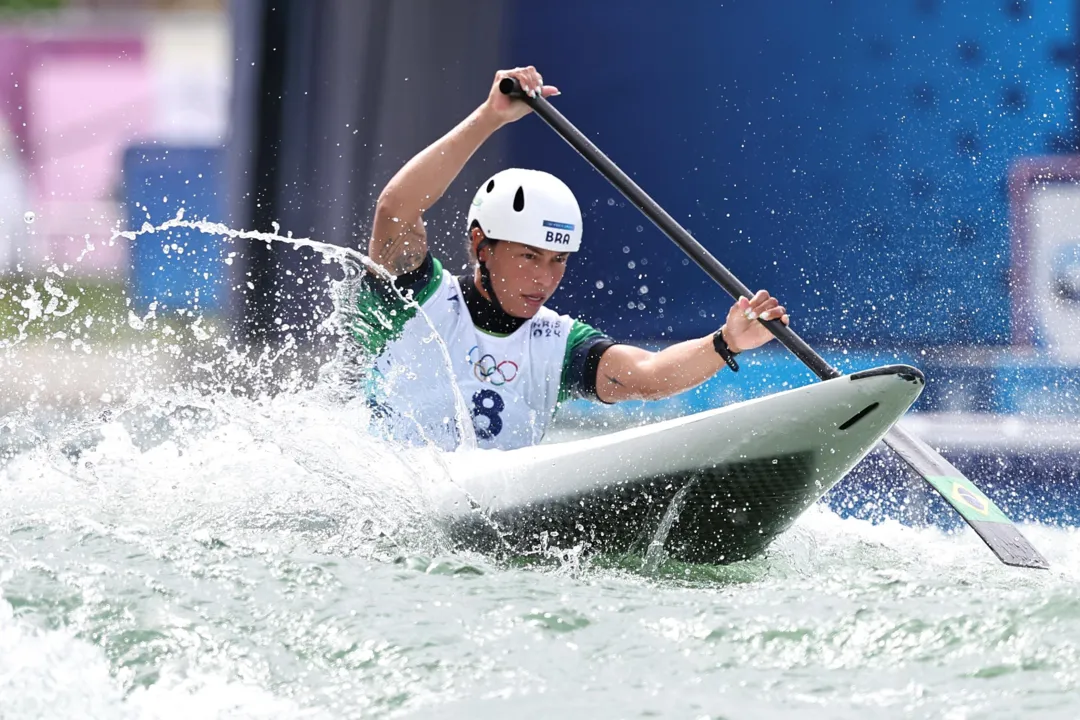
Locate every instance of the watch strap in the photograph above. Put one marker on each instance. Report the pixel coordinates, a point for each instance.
(720, 345)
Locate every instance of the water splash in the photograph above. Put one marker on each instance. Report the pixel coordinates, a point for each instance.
(184, 428)
(354, 264)
(213, 544)
(655, 553)
(328, 252)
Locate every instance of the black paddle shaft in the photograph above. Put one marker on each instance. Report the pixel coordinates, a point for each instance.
(667, 224)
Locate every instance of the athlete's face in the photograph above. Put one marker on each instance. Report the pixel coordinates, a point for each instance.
(524, 277)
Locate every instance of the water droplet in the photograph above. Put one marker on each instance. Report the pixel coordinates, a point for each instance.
(640, 228)
(775, 461)
(29, 216)
(644, 289)
(631, 264)
(611, 201)
(626, 250)
(599, 284)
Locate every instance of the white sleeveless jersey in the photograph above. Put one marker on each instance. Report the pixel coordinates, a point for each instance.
(510, 385)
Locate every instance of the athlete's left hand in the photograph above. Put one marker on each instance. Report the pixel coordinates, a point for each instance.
(742, 331)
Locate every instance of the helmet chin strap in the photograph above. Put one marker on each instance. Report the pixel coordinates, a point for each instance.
(485, 277)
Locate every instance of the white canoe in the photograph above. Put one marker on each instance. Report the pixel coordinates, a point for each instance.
(714, 487)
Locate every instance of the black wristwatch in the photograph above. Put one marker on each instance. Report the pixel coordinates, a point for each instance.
(720, 345)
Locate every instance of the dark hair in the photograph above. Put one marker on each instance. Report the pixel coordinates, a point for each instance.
(489, 242)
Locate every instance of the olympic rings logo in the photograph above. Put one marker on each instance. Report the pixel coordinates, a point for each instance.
(487, 369)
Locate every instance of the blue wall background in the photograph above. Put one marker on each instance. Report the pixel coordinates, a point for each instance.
(849, 156)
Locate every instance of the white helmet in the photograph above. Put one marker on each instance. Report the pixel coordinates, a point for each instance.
(530, 207)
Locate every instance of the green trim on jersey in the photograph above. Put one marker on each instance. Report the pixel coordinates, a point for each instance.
(579, 333)
(381, 314)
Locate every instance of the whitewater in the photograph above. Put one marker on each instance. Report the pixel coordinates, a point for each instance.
(215, 544)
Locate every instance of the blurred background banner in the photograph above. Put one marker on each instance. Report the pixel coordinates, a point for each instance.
(83, 82)
(181, 268)
(903, 174)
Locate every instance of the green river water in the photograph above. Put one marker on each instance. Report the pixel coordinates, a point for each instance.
(230, 558)
(190, 551)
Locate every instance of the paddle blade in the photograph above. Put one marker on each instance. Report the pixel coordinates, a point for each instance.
(980, 512)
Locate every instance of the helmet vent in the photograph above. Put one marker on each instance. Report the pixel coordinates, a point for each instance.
(519, 200)
(491, 185)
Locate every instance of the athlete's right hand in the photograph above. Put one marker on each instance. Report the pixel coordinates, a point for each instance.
(502, 107)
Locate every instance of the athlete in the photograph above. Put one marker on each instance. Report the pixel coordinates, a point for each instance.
(513, 359)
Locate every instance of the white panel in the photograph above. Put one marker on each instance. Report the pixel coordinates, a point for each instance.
(1054, 291)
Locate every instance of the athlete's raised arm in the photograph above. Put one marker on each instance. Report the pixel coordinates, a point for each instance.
(632, 373)
(398, 239)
